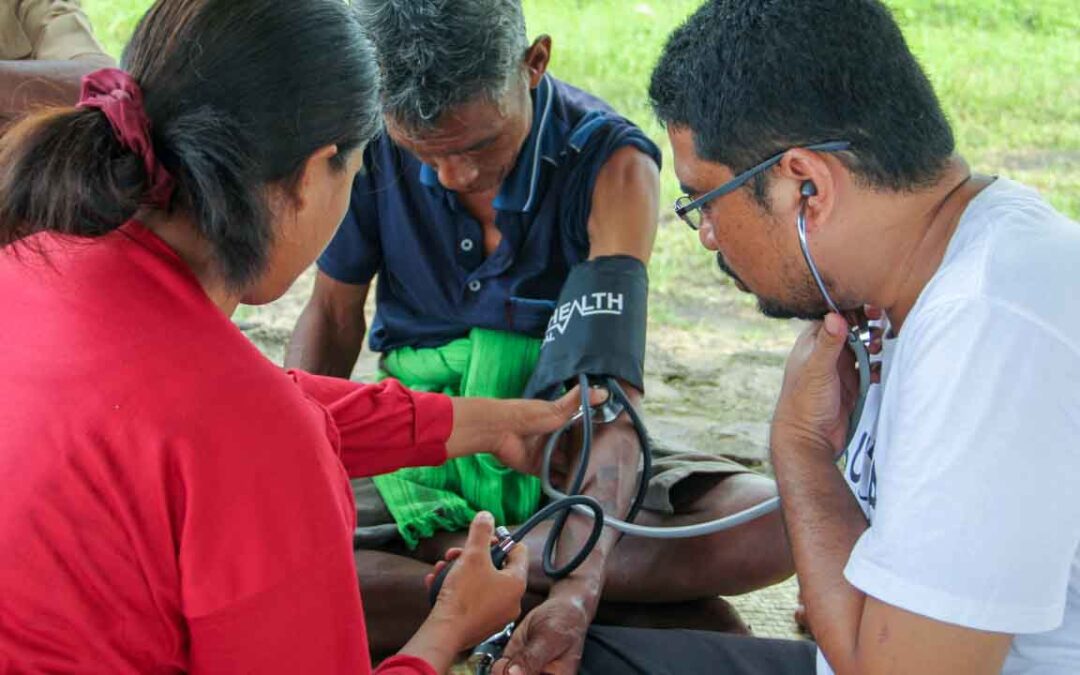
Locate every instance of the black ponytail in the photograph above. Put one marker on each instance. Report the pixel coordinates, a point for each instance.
(62, 170)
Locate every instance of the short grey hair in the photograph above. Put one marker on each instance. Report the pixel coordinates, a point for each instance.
(436, 54)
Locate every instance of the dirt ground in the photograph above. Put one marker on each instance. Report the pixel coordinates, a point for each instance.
(714, 367)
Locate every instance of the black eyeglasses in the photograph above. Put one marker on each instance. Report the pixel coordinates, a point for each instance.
(689, 210)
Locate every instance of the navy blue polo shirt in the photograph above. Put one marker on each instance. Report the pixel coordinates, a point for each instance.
(435, 284)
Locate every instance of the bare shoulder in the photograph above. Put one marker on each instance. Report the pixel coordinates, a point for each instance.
(625, 205)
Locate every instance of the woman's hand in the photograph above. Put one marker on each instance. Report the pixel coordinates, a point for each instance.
(514, 430)
(476, 600)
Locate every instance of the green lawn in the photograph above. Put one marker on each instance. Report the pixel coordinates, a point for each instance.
(1006, 70)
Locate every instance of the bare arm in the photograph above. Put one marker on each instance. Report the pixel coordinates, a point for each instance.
(625, 206)
(25, 85)
(550, 639)
(623, 221)
(59, 49)
(858, 634)
(330, 331)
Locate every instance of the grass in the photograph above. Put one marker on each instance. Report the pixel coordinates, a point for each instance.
(1005, 70)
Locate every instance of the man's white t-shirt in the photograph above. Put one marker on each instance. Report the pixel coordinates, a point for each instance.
(967, 461)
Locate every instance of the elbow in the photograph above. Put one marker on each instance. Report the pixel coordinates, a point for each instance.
(347, 323)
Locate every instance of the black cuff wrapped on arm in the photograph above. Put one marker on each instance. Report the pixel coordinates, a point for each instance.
(598, 327)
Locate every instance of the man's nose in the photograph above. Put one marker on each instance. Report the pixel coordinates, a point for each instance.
(707, 235)
(457, 174)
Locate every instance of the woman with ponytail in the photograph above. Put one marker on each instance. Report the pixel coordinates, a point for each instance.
(170, 501)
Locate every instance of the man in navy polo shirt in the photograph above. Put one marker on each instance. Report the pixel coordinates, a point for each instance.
(493, 179)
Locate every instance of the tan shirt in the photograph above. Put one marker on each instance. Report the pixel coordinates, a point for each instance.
(47, 30)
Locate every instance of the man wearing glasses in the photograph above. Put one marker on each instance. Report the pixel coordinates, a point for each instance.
(492, 183)
(949, 543)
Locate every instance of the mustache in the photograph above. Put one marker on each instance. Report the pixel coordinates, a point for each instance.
(722, 264)
(770, 307)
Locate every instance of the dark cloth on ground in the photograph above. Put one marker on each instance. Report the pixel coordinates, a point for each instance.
(642, 651)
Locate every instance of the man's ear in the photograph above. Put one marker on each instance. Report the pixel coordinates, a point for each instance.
(811, 178)
(537, 58)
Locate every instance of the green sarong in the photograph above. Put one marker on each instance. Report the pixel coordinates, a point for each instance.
(489, 364)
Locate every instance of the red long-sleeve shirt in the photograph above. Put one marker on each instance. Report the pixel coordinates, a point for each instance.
(170, 501)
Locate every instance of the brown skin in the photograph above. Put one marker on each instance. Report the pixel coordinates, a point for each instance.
(330, 329)
(476, 599)
(876, 248)
(31, 84)
(473, 149)
(475, 146)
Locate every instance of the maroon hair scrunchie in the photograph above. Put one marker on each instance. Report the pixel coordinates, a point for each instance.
(119, 97)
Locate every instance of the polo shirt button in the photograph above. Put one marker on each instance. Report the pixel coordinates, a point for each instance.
(474, 285)
(467, 245)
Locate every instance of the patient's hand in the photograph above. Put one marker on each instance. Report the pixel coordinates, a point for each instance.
(550, 639)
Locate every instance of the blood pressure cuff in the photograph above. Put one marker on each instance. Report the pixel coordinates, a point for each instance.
(597, 328)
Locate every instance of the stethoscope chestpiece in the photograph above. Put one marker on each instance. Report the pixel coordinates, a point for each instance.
(490, 650)
(603, 413)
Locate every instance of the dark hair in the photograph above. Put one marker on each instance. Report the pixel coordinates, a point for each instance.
(239, 93)
(751, 78)
(436, 54)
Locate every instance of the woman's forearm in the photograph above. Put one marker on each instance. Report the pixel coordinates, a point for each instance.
(29, 84)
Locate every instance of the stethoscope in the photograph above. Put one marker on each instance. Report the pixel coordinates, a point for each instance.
(613, 407)
(855, 341)
(617, 402)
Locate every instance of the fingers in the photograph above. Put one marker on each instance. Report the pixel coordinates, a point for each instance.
(481, 531)
(568, 404)
(862, 317)
(453, 554)
(503, 667)
(535, 656)
(830, 339)
(545, 417)
(429, 578)
(512, 660)
(597, 395)
(558, 412)
(529, 652)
